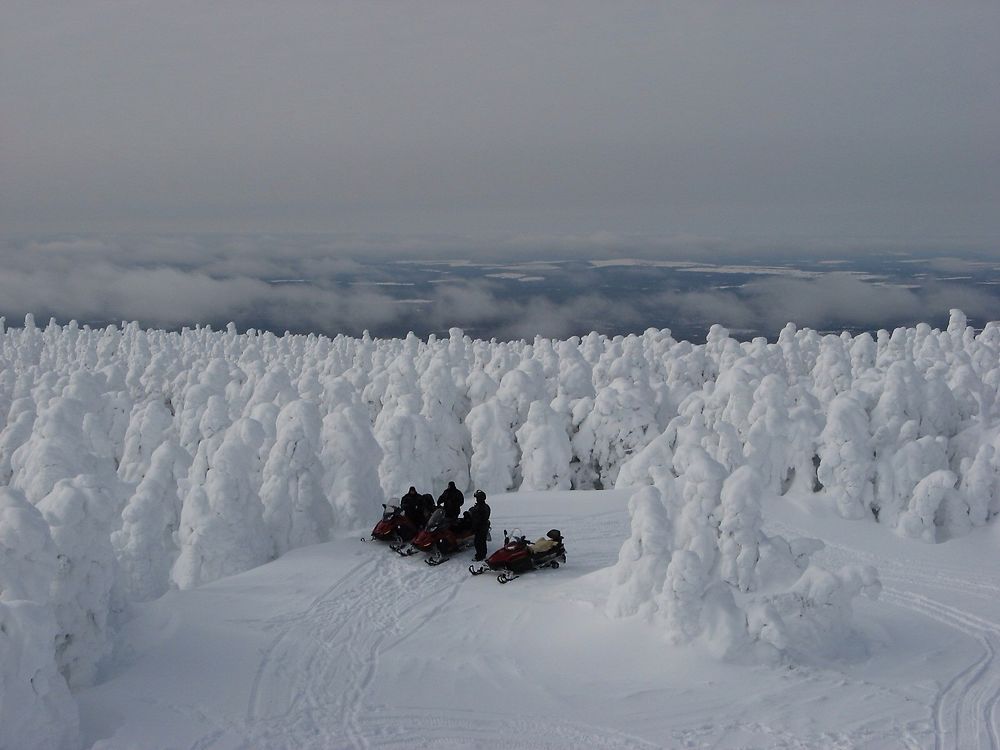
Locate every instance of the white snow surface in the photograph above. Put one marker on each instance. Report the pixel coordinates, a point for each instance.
(136, 464)
(347, 645)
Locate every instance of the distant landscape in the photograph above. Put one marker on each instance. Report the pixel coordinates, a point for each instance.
(511, 289)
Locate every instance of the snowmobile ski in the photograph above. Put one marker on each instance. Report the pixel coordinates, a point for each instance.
(437, 559)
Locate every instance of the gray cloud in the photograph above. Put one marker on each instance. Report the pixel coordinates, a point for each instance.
(168, 297)
(862, 118)
(482, 306)
(832, 301)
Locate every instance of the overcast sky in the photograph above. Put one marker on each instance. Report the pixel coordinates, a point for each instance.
(835, 119)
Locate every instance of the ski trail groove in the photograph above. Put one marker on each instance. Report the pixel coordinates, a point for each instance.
(966, 705)
(253, 704)
(327, 657)
(964, 711)
(411, 729)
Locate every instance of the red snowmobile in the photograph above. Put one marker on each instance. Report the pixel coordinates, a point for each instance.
(442, 537)
(394, 526)
(518, 555)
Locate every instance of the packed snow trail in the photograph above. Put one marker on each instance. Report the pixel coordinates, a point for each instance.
(316, 674)
(347, 645)
(923, 580)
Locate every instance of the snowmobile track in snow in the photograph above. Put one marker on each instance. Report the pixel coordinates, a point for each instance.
(253, 707)
(311, 686)
(965, 710)
(418, 729)
(327, 680)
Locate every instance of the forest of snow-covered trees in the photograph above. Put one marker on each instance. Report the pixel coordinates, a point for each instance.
(133, 461)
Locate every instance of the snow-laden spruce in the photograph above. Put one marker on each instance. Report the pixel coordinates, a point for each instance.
(36, 709)
(545, 449)
(222, 529)
(146, 543)
(79, 512)
(699, 564)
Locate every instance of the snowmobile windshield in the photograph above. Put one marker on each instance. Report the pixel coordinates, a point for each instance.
(390, 511)
(436, 521)
(515, 536)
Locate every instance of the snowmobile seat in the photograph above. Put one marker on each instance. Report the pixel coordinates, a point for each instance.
(542, 545)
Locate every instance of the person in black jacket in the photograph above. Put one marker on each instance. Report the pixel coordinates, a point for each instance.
(478, 518)
(452, 499)
(427, 503)
(412, 506)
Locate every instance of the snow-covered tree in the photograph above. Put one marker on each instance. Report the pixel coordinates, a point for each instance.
(79, 513)
(494, 453)
(27, 553)
(650, 465)
(682, 595)
(642, 561)
(222, 528)
(575, 377)
(148, 426)
(350, 457)
(933, 494)
(979, 485)
(545, 450)
(697, 522)
(769, 438)
(36, 708)
(406, 442)
(146, 544)
(815, 616)
(443, 407)
(902, 467)
(57, 449)
(846, 458)
(739, 528)
(620, 423)
(295, 510)
(18, 429)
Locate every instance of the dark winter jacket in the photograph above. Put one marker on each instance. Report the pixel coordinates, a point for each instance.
(478, 517)
(452, 499)
(412, 506)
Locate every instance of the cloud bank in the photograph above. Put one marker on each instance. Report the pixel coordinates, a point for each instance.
(317, 284)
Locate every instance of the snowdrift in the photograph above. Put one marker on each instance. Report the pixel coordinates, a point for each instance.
(145, 460)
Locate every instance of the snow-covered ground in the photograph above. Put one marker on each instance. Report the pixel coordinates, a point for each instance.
(155, 488)
(347, 645)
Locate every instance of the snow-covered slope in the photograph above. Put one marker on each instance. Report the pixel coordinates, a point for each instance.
(347, 645)
(134, 463)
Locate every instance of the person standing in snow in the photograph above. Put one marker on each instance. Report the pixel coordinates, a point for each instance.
(478, 518)
(412, 505)
(452, 500)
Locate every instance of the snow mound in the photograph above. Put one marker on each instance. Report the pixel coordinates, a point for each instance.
(699, 564)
